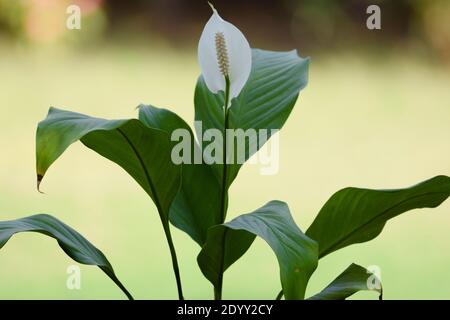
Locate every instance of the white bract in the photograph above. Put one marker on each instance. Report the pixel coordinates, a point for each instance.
(223, 51)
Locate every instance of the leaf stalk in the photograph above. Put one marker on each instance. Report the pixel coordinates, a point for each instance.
(223, 206)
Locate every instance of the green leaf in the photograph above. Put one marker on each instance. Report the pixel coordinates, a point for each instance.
(355, 278)
(198, 199)
(141, 151)
(73, 243)
(264, 103)
(296, 253)
(354, 215)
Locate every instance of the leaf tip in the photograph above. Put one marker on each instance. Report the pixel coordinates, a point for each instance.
(212, 7)
(38, 183)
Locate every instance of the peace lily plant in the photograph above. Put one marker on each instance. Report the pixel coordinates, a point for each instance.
(240, 88)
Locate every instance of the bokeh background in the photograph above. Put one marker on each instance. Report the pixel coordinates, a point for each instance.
(376, 113)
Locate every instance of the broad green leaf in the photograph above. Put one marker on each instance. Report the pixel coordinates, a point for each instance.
(355, 278)
(265, 102)
(73, 243)
(141, 151)
(196, 203)
(296, 253)
(354, 215)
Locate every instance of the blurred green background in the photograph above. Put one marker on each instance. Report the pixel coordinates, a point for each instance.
(376, 113)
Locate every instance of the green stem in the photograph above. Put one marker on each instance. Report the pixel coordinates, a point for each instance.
(173, 254)
(165, 223)
(223, 206)
(223, 209)
(130, 297)
(217, 293)
(218, 288)
(124, 290)
(113, 277)
(280, 295)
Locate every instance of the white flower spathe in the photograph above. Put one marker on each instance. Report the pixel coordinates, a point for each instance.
(224, 51)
